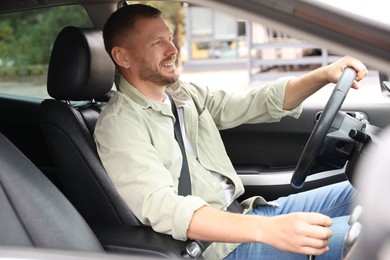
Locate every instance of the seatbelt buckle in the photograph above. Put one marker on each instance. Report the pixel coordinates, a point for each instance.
(193, 250)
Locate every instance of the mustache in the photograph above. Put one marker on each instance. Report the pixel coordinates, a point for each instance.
(170, 58)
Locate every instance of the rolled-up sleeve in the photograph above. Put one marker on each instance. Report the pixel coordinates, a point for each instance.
(275, 99)
(250, 106)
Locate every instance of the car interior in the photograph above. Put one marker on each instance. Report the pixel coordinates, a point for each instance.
(29, 201)
(68, 122)
(55, 192)
(68, 130)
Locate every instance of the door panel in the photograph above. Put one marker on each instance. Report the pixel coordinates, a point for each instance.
(265, 155)
(20, 124)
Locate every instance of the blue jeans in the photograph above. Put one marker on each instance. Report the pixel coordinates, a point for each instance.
(334, 201)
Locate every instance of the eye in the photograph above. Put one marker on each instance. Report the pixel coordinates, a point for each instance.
(157, 43)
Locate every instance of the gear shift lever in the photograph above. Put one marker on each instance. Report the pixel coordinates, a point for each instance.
(354, 231)
(355, 215)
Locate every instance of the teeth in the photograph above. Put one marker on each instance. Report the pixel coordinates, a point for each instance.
(167, 65)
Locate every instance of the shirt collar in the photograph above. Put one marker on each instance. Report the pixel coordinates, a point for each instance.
(129, 90)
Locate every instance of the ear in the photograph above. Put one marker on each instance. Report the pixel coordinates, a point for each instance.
(120, 56)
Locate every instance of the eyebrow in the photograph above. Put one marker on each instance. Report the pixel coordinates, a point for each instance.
(161, 36)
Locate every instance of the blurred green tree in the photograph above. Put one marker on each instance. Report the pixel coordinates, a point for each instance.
(27, 37)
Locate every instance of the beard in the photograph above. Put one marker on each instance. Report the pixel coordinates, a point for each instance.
(151, 74)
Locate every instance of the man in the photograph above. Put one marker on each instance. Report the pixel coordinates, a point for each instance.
(135, 140)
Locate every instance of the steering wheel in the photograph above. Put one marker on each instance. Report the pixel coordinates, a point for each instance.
(322, 127)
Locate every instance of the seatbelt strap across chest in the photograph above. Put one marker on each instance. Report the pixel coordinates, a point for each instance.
(194, 248)
(184, 188)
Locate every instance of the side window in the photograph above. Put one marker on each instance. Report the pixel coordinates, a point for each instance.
(224, 50)
(26, 39)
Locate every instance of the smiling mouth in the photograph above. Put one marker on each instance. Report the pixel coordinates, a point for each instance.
(166, 65)
(169, 62)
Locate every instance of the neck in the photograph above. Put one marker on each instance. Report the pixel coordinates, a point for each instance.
(155, 94)
(150, 90)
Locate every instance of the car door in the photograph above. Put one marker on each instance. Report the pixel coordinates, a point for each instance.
(265, 155)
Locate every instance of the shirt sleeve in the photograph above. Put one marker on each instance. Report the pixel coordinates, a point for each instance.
(275, 100)
(145, 184)
(250, 106)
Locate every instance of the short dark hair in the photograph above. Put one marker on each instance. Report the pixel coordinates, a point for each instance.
(120, 24)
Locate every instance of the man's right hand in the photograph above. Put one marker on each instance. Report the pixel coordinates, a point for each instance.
(304, 233)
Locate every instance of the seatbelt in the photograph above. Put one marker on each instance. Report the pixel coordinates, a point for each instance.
(194, 248)
(184, 188)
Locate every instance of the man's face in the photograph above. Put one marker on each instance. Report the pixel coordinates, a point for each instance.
(153, 52)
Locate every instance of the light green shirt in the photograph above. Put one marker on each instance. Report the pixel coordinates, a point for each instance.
(136, 143)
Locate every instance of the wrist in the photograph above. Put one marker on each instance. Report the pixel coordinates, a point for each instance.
(325, 75)
(260, 231)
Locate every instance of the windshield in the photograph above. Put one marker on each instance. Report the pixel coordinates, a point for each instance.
(374, 10)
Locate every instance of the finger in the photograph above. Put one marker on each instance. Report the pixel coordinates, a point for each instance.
(316, 243)
(356, 85)
(317, 219)
(361, 73)
(319, 232)
(314, 251)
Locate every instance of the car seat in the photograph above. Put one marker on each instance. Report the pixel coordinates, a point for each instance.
(80, 79)
(34, 213)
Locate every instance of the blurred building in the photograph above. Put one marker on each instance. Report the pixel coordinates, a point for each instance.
(221, 40)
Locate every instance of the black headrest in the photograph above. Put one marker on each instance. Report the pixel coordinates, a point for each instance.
(79, 68)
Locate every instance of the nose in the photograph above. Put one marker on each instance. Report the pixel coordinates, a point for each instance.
(171, 49)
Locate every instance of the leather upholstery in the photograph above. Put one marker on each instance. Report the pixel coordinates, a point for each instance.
(34, 213)
(81, 70)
